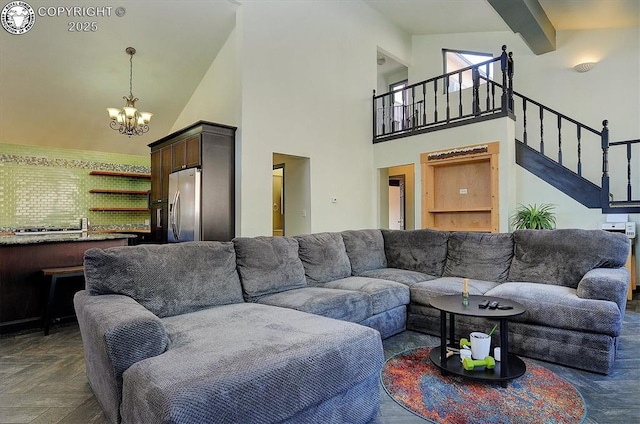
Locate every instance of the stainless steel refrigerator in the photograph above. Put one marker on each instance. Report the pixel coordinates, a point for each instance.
(185, 187)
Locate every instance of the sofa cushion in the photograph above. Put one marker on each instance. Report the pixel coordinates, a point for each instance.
(421, 293)
(385, 295)
(365, 249)
(167, 279)
(268, 265)
(416, 250)
(323, 256)
(558, 306)
(562, 257)
(250, 363)
(345, 305)
(481, 256)
(403, 276)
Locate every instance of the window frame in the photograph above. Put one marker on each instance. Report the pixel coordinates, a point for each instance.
(460, 54)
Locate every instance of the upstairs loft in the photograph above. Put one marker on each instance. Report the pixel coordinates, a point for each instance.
(553, 146)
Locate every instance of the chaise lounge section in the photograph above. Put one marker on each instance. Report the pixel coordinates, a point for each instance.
(289, 329)
(168, 338)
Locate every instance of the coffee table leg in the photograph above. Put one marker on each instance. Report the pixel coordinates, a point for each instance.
(443, 340)
(452, 330)
(504, 349)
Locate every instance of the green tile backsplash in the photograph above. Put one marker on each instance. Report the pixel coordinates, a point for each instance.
(42, 186)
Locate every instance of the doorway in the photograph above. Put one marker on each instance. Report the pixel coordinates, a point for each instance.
(397, 192)
(397, 205)
(278, 200)
(291, 198)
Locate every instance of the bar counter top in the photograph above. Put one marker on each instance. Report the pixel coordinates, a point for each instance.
(23, 286)
(9, 240)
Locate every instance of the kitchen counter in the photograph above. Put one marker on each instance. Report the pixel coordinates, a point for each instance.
(58, 238)
(23, 287)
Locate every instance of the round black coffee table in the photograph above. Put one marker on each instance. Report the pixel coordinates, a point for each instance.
(509, 366)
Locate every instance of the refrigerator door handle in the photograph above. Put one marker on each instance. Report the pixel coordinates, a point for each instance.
(173, 215)
(178, 216)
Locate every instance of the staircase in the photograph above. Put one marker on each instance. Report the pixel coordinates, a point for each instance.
(430, 105)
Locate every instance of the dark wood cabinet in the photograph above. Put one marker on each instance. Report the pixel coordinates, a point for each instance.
(186, 153)
(160, 169)
(211, 147)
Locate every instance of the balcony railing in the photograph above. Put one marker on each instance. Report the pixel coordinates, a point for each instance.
(444, 102)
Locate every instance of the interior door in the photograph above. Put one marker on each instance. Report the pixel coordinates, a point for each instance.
(396, 203)
(278, 200)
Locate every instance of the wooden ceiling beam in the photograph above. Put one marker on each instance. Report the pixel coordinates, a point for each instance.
(527, 18)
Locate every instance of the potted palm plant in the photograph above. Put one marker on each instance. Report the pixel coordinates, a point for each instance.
(534, 217)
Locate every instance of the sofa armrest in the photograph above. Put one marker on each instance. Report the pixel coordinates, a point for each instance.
(116, 333)
(605, 284)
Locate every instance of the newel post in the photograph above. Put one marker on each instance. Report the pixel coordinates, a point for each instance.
(510, 69)
(504, 67)
(507, 67)
(604, 195)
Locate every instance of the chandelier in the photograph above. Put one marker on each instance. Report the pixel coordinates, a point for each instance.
(128, 120)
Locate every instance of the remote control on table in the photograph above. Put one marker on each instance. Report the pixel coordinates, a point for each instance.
(494, 304)
(483, 304)
(504, 307)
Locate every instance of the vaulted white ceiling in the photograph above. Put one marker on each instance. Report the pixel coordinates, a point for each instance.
(55, 84)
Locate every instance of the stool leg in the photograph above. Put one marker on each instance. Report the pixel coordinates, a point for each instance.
(48, 310)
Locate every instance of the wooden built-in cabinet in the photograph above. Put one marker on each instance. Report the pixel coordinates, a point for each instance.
(210, 147)
(460, 189)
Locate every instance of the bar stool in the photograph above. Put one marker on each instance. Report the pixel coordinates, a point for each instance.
(55, 274)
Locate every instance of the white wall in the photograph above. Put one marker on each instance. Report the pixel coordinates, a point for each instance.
(217, 96)
(308, 71)
(296, 78)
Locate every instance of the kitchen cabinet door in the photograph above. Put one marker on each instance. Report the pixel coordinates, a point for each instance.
(186, 153)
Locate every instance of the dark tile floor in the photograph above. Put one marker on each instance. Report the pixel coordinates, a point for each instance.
(42, 379)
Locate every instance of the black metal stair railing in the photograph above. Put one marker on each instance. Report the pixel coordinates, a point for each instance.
(431, 105)
(629, 204)
(441, 102)
(551, 126)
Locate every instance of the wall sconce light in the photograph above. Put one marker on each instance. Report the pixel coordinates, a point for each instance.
(584, 67)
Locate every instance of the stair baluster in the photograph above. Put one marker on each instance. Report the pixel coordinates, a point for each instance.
(604, 194)
(524, 123)
(560, 139)
(579, 135)
(541, 129)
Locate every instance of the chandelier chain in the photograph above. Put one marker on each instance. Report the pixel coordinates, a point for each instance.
(131, 75)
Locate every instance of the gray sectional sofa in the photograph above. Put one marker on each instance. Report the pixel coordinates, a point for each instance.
(289, 329)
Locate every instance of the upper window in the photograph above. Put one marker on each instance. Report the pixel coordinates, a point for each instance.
(458, 59)
(398, 96)
(399, 113)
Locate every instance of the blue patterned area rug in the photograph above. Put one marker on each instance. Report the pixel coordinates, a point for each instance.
(539, 396)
